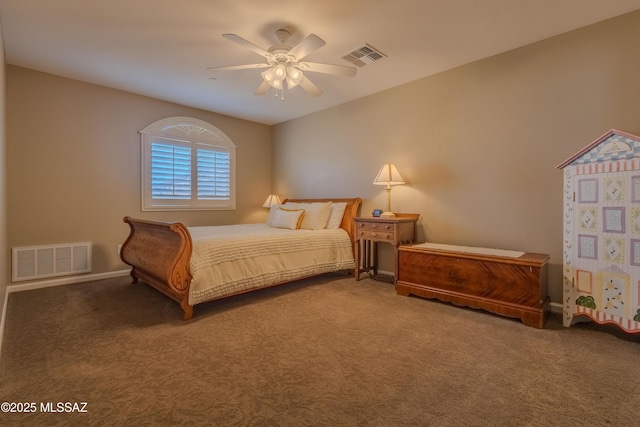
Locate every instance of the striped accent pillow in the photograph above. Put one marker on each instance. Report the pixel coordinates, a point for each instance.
(285, 218)
(316, 214)
(272, 213)
(337, 212)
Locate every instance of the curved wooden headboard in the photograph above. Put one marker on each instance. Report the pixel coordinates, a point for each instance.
(353, 205)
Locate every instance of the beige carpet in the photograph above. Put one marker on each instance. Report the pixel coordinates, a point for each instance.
(328, 351)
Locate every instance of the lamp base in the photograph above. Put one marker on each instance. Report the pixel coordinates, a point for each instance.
(387, 215)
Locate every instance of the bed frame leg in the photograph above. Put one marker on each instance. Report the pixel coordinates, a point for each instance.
(187, 309)
(134, 278)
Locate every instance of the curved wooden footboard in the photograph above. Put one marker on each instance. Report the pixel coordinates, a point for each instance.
(159, 254)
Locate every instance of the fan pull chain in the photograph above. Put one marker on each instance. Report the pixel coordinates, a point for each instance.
(281, 94)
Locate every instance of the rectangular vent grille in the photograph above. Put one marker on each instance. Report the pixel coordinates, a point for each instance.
(36, 262)
(363, 55)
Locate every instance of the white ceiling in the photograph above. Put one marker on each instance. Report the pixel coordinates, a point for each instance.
(162, 48)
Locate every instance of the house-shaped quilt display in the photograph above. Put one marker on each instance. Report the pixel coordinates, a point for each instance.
(601, 241)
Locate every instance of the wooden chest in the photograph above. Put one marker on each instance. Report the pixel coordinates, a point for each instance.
(509, 286)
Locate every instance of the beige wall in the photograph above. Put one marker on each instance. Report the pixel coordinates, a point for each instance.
(3, 204)
(73, 154)
(478, 145)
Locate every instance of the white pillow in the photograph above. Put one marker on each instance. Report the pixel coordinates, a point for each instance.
(284, 218)
(272, 213)
(337, 212)
(315, 216)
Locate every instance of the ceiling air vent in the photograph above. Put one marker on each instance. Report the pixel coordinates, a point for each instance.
(363, 55)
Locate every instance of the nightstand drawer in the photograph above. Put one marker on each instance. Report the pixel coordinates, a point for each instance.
(373, 226)
(377, 235)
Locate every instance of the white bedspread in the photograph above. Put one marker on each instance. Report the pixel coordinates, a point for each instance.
(234, 258)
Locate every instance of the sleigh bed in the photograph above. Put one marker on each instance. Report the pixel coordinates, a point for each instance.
(193, 265)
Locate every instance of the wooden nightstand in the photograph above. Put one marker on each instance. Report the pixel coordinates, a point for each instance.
(370, 230)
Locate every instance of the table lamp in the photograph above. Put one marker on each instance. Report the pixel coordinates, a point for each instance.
(271, 200)
(388, 176)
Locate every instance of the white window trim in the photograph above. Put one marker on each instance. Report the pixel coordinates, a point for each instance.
(191, 131)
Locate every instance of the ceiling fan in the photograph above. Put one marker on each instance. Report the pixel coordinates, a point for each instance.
(284, 63)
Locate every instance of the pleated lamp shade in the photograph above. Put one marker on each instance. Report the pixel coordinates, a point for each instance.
(388, 176)
(271, 200)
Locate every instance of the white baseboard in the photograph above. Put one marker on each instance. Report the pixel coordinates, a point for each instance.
(555, 308)
(65, 281)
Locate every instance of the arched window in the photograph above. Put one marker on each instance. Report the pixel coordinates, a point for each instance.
(187, 164)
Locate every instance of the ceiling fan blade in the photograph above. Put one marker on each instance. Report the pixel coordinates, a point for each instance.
(311, 88)
(262, 89)
(239, 67)
(237, 39)
(311, 43)
(339, 70)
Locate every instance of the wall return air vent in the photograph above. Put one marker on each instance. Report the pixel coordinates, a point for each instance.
(37, 262)
(363, 55)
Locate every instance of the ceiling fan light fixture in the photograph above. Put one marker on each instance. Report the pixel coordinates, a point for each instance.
(280, 72)
(269, 76)
(291, 83)
(294, 76)
(283, 63)
(275, 75)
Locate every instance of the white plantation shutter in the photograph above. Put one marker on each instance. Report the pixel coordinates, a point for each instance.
(184, 174)
(213, 173)
(170, 171)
